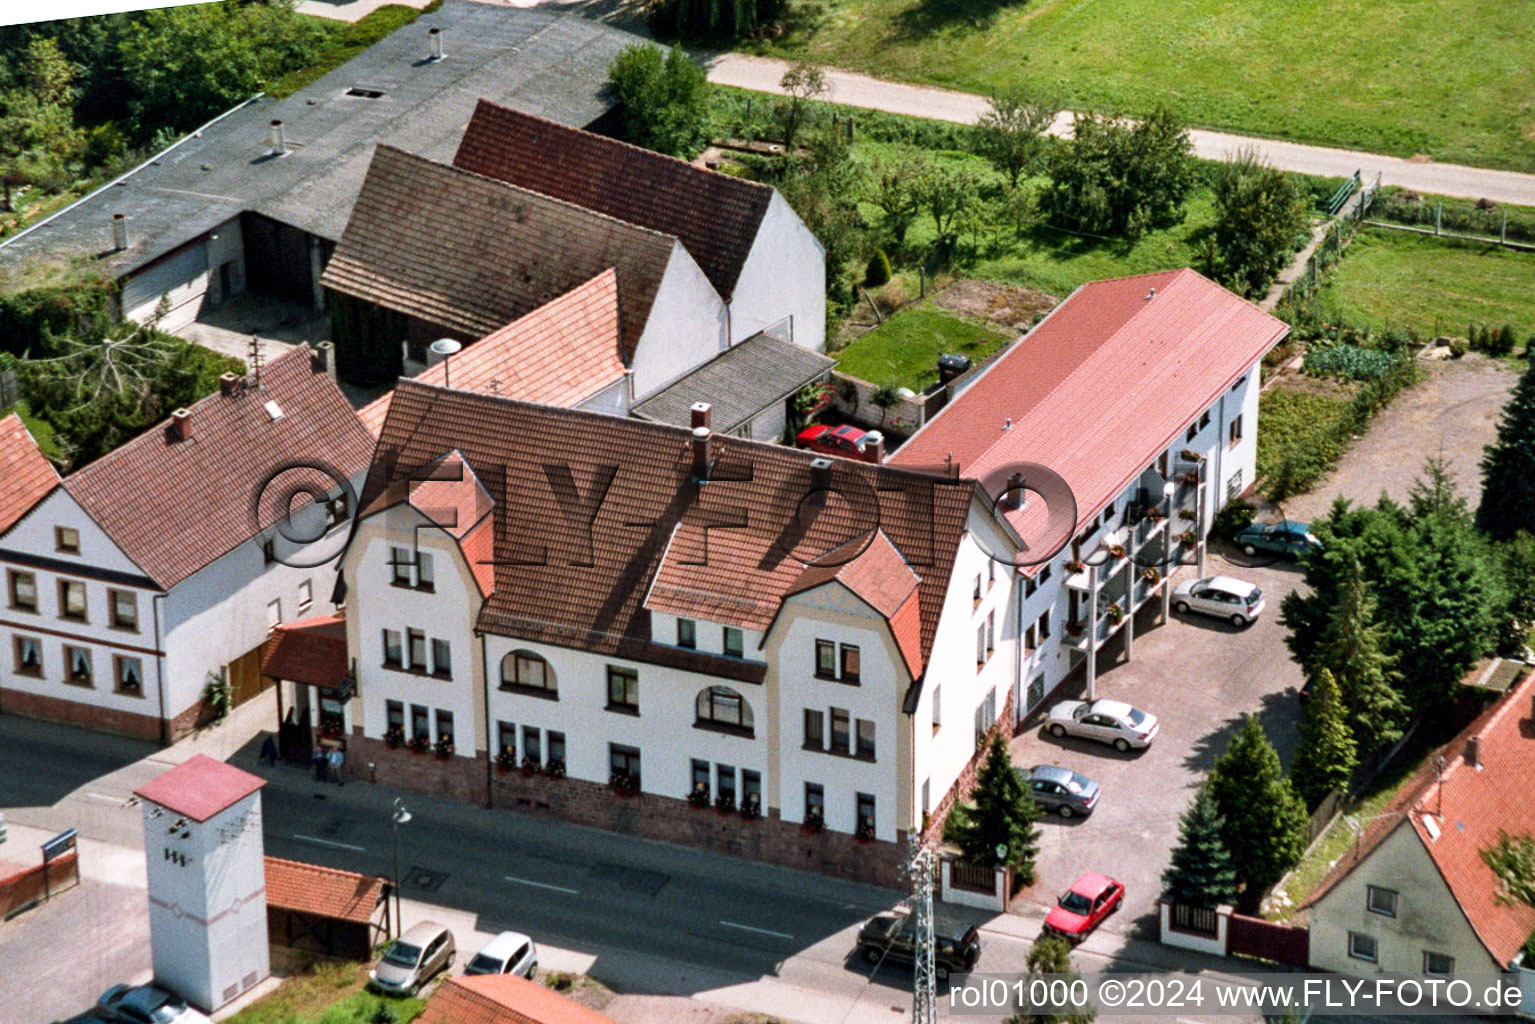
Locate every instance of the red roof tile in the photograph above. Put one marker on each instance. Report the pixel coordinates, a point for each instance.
(881, 577)
(200, 787)
(309, 651)
(716, 216)
(1100, 387)
(26, 477)
(561, 353)
(504, 999)
(207, 484)
(323, 892)
(1470, 807)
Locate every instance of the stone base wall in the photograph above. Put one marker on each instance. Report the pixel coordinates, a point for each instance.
(459, 778)
(960, 791)
(28, 884)
(73, 712)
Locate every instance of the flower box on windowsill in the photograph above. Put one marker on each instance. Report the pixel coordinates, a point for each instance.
(505, 762)
(751, 810)
(724, 805)
(555, 769)
(623, 785)
(394, 738)
(813, 823)
(1190, 477)
(418, 745)
(1152, 576)
(444, 751)
(1073, 567)
(1190, 455)
(698, 799)
(864, 833)
(1117, 551)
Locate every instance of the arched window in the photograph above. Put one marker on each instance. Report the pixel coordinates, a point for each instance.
(524, 670)
(723, 708)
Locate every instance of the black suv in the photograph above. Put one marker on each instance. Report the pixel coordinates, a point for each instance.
(892, 936)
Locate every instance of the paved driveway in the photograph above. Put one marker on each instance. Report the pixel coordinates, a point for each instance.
(1198, 675)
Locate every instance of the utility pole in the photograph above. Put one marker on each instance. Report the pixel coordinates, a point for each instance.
(920, 870)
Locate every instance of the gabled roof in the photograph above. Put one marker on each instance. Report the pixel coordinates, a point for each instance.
(739, 383)
(561, 353)
(504, 999)
(881, 578)
(26, 476)
(587, 505)
(1100, 387)
(174, 506)
(322, 892)
(1459, 812)
(200, 787)
(450, 496)
(309, 651)
(472, 254)
(715, 215)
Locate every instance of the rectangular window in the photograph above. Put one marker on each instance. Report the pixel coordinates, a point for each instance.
(975, 595)
(1362, 947)
(751, 788)
(29, 656)
(123, 608)
(400, 564)
(128, 673)
(77, 666)
(849, 663)
(1044, 574)
(394, 715)
(725, 775)
(701, 777)
(1381, 901)
(865, 739)
(841, 735)
(825, 659)
(305, 595)
(624, 762)
(991, 633)
(66, 539)
(444, 725)
(442, 659)
(1437, 963)
(623, 688)
(1044, 626)
(985, 718)
(734, 643)
(274, 613)
(980, 644)
(1193, 429)
(927, 795)
(72, 600)
(526, 669)
(937, 707)
(420, 727)
(426, 578)
(815, 800)
(815, 729)
(268, 551)
(393, 655)
(865, 817)
(506, 740)
(1236, 430)
(532, 745)
(23, 586)
(557, 748)
(1030, 584)
(1204, 421)
(417, 649)
(687, 633)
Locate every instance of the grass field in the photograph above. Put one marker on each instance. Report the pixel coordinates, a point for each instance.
(1396, 278)
(1450, 78)
(327, 992)
(904, 350)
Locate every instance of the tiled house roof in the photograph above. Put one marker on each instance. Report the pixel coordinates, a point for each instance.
(715, 215)
(26, 477)
(174, 505)
(561, 353)
(504, 999)
(200, 787)
(1086, 392)
(880, 576)
(733, 547)
(309, 651)
(472, 254)
(1461, 811)
(323, 892)
(449, 494)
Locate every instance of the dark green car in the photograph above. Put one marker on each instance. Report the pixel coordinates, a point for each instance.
(892, 936)
(1287, 537)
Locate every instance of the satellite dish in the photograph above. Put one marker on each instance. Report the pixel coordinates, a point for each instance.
(446, 347)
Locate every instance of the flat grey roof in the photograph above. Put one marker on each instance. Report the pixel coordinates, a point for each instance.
(738, 383)
(548, 64)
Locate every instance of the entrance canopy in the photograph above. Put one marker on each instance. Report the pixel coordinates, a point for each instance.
(311, 651)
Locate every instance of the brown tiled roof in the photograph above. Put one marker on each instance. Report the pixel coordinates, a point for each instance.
(323, 892)
(738, 543)
(309, 651)
(26, 477)
(1470, 806)
(173, 506)
(200, 787)
(880, 576)
(451, 495)
(562, 352)
(715, 215)
(504, 999)
(471, 254)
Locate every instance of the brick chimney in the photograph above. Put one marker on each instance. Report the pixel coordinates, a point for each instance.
(820, 481)
(701, 442)
(874, 445)
(119, 232)
(229, 383)
(323, 358)
(700, 415)
(1016, 496)
(1474, 751)
(181, 419)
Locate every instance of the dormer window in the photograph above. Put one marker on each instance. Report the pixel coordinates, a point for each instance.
(66, 540)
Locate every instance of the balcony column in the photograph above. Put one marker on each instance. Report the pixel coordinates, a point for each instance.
(1092, 631)
(1167, 593)
(1129, 613)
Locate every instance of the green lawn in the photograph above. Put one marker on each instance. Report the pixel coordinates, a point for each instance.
(1451, 78)
(1396, 278)
(904, 350)
(328, 992)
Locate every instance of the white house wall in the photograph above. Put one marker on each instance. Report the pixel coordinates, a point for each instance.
(34, 535)
(686, 327)
(784, 275)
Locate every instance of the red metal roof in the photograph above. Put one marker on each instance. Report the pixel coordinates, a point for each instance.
(504, 999)
(200, 787)
(26, 477)
(323, 892)
(309, 651)
(1100, 387)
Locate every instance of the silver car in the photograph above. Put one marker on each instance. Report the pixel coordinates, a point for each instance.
(1108, 721)
(1221, 596)
(146, 1004)
(413, 959)
(1061, 790)
(507, 953)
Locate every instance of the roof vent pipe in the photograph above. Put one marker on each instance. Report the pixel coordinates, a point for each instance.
(119, 232)
(1151, 295)
(1007, 424)
(279, 139)
(434, 44)
(700, 444)
(1474, 751)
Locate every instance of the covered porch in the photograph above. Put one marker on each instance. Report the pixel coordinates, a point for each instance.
(308, 660)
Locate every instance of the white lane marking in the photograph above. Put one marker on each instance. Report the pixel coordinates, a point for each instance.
(759, 931)
(331, 842)
(542, 885)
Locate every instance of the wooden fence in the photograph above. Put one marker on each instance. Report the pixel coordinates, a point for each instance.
(976, 877)
(1268, 940)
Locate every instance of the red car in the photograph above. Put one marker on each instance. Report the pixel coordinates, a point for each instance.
(848, 442)
(1083, 907)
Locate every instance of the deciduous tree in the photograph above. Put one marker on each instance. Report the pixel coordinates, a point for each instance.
(663, 97)
(1259, 214)
(1121, 178)
(802, 83)
(1011, 133)
(1050, 955)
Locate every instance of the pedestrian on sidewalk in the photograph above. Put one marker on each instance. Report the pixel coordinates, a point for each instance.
(320, 764)
(337, 759)
(268, 751)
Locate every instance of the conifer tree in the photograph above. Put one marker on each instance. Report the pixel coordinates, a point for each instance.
(1508, 466)
(1265, 822)
(1353, 650)
(1201, 873)
(1051, 955)
(1001, 814)
(1326, 756)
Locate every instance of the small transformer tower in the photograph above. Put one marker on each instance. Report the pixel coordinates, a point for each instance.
(207, 880)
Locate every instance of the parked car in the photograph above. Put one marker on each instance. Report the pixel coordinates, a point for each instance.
(1061, 790)
(1108, 721)
(848, 442)
(146, 1004)
(1288, 538)
(1083, 907)
(413, 959)
(507, 953)
(892, 936)
(1221, 596)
